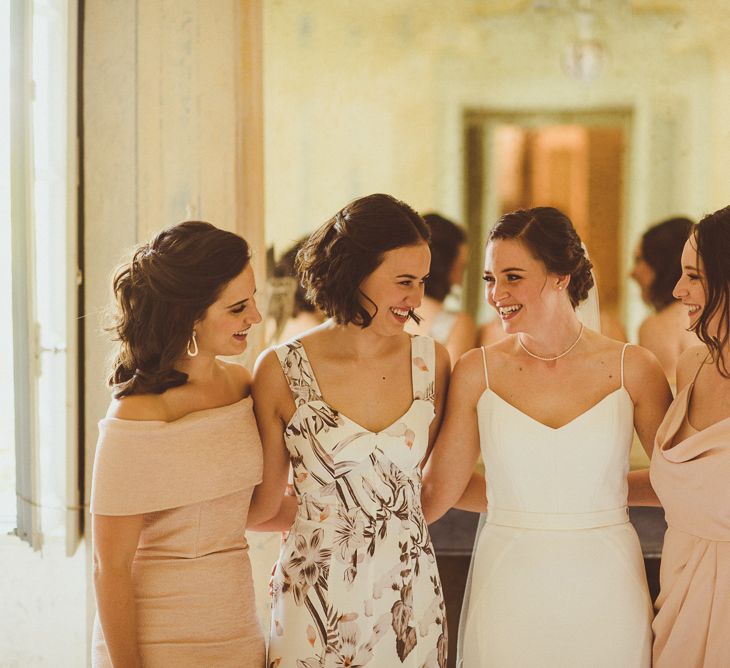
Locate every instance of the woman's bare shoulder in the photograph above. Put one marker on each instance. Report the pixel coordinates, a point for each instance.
(474, 361)
(689, 362)
(239, 376)
(139, 407)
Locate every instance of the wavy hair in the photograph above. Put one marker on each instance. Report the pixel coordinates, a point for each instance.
(712, 237)
(167, 286)
(342, 253)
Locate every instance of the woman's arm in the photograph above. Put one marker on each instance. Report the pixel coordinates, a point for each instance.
(647, 385)
(474, 498)
(283, 519)
(451, 464)
(271, 395)
(641, 493)
(115, 542)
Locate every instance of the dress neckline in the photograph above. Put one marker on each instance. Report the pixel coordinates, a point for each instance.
(581, 415)
(365, 429)
(322, 400)
(183, 418)
(668, 445)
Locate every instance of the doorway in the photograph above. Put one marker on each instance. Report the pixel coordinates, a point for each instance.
(575, 161)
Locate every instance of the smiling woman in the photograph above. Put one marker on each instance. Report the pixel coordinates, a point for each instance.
(690, 468)
(354, 405)
(177, 459)
(552, 408)
(347, 249)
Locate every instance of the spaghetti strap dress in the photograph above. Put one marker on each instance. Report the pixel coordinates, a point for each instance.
(192, 479)
(557, 573)
(356, 582)
(692, 480)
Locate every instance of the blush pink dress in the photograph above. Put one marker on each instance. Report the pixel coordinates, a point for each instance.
(192, 479)
(692, 480)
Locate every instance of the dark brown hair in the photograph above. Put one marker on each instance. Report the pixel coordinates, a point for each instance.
(341, 254)
(712, 236)
(166, 287)
(551, 238)
(661, 249)
(446, 239)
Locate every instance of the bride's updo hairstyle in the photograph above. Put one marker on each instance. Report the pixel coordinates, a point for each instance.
(712, 239)
(340, 255)
(166, 287)
(551, 238)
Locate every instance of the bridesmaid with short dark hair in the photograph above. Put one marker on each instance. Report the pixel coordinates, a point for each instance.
(354, 405)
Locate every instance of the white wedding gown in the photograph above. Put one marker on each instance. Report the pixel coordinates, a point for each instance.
(557, 575)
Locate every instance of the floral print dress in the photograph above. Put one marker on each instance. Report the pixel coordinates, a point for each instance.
(356, 583)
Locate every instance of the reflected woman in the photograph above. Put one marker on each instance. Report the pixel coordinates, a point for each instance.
(353, 405)
(177, 459)
(656, 270)
(690, 469)
(454, 329)
(558, 576)
(304, 315)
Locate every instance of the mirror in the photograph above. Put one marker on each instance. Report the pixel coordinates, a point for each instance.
(407, 97)
(613, 111)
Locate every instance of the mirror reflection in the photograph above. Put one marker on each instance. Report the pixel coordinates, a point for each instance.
(609, 111)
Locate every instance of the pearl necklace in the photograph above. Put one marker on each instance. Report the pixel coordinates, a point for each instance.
(557, 357)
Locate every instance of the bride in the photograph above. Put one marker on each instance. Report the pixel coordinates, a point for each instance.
(557, 571)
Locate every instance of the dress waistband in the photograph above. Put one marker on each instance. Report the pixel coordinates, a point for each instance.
(557, 521)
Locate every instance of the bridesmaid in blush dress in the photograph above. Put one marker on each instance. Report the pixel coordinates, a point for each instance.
(690, 468)
(177, 459)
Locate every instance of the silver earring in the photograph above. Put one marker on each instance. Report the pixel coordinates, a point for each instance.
(194, 351)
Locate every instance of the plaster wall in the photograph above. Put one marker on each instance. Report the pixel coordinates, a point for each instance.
(366, 98)
(166, 85)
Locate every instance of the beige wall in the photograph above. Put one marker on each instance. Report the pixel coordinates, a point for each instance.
(362, 97)
(172, 132)
(162, 139)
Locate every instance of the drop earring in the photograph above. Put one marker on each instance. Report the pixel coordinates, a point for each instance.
(194, 342)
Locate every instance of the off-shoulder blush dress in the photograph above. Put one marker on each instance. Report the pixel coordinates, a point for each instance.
(192, 479)
(692, 480)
